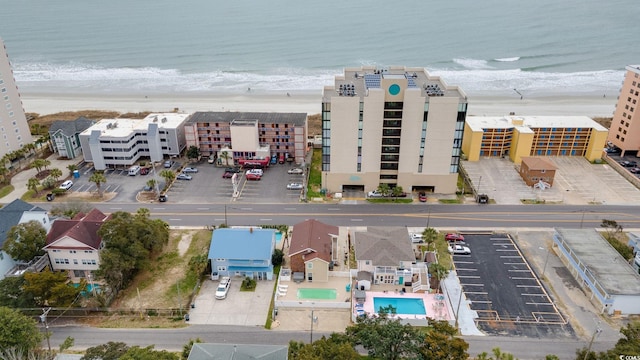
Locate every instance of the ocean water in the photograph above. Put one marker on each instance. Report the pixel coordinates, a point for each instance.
(490, 47)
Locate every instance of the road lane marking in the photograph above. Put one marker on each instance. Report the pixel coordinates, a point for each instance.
(356, 220)
(290, 209)
(203, 208)
(266, 219)
(333, 209)
(175, 219)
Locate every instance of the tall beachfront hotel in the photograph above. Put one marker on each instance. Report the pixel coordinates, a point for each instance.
(397, 126)
(14, 129)
(625, 126)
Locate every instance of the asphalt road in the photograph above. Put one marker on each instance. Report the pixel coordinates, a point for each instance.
(446, 216)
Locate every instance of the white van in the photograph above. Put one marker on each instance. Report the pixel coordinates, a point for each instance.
(134, 170)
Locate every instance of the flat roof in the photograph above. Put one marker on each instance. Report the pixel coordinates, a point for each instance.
(478, 123)
(124, 127)
(357, 81)
(609, 268)
(297, 119)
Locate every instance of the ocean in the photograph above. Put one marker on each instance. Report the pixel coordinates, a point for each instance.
(490, 47)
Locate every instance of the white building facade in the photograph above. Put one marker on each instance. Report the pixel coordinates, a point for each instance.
(397, 126)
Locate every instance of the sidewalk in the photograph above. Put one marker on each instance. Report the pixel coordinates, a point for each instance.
(20, 180)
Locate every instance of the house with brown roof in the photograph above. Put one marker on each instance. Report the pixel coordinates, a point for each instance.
(386, 253)
(312, 249)
(73, 245)
(537, 170)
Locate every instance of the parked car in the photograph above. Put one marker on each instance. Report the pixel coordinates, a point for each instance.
(258, 172)
(375, 193)
(144, 170)
(422, 196)
(232, 169)
(295, 171)
(163, 198)
(634, 170)
(168, 164)
(190, 170)
(627, 163)
(459, 250)
(281, 159)
(612, 150)
(252, 176)
(211, 159)
(223, 288)
(66, 185)
(183, 176)
(274, 159)
(417, 238)
(227, 175)
(454, 237)
(294, 186)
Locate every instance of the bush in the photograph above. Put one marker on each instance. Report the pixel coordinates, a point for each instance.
(248, 284)
(48, 183)
(277, 258)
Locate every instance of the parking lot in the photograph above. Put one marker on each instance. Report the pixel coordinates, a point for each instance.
(205, 186)
(504, 291)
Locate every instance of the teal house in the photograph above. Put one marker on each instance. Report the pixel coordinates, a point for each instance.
(244, 252)
(64, 138)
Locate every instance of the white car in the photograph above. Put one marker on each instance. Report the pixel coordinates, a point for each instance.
(258, 172)
(375, 193)
(223, 288)
(294, 186)
(295, 171)
(416, 238)
(66, 185)
(459, 250)
(183, 176)
(190, 170)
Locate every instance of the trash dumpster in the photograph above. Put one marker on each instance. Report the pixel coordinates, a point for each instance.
(50, 197)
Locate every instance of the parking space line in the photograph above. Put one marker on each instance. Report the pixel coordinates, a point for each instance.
(533, 294)
(481, 301)
(465, 262)
(528, 286)
(520, 263)
(518, 270)
(458, 269)
(509, 257)
(468, 277)
(536, 303)
(506, 250)
(523, 278)
(476, 292)
(463, 285)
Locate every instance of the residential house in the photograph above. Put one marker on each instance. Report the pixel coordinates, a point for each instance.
(312, 249)
(73, 245)
(534, 170)
(386, 253)
(205, 351)
(242, 252)
(12, 214)
(64, 136)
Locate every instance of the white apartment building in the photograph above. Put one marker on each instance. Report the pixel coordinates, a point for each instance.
(397, 125)
(122, 142)
(14, 129)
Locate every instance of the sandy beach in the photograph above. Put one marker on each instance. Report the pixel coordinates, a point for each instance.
(309, 103)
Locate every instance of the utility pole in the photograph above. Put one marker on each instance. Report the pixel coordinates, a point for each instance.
(597, 331)
(43, 318)
(314, 319)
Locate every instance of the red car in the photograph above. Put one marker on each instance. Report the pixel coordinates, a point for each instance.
(252, 176)
(422, 197)
(454, 237)
(227, 175)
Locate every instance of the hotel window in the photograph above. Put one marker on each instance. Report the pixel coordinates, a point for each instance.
(626, 107)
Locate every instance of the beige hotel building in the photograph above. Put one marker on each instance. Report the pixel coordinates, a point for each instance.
(625, 126)
(396, 125)
(14, 129)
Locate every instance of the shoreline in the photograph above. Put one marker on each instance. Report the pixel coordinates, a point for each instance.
(307, 102)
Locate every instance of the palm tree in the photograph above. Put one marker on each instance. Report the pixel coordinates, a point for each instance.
(152, 184)
(72, 168)
(32, 184)
(3, 174)
(46, 163)
(430, 235)
(168, 176)
(38, 164)
(55, 173)
(225, 156)
(98, 178)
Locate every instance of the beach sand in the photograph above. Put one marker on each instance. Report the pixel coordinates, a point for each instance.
(309, 103)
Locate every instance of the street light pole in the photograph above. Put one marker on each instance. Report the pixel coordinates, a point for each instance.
(43, 318)
(597, 331)
(313, 319)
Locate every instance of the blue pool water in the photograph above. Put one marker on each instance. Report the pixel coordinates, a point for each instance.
(404, 306)
(278, 237)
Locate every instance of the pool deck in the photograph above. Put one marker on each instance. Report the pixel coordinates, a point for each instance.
(434, 304)
(288, 291)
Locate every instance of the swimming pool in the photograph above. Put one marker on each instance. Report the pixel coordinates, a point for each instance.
(319, 294)
(278, 237)
(405, 306)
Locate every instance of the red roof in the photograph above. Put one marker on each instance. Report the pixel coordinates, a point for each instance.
(312, 238)
(82, 228)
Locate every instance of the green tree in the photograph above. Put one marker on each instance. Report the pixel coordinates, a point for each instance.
(55, 173)
(38, 164)
(440, 343)
(18, 331)
(384, 189)
(129, 240)
(383, 337)
(497, 355)
(109, 351)
(430, 235)
(224, 155)
(277, 258)
(46, 163)
(98, 178)
(198, 263)
(148, 353)
(440, 272)
(32, 184)
(12, 295)
(72, 168)
(186, 349)
(152, 183)
(49, 182)
(335, 347)
(51, 288)
(168, 176)
(25, 241)
(67, 344)
(71, 208)
(193, 152)
(396, 191)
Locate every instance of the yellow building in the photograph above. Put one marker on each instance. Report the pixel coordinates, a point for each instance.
(520, 136)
